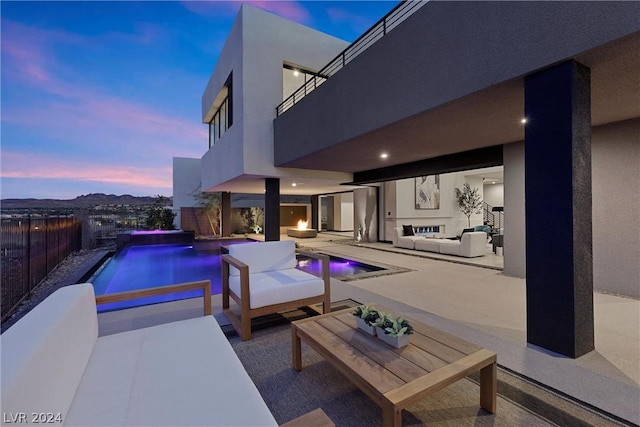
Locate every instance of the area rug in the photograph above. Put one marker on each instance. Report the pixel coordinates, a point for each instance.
(289, 394)
(272, 320)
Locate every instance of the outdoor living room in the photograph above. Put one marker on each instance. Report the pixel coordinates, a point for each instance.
(301, 363)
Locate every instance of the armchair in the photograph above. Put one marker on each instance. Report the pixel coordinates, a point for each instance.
(262, 279)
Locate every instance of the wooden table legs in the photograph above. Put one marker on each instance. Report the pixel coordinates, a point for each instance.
(489, 387)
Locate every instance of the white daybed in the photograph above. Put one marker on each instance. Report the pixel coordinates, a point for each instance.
(181, 373)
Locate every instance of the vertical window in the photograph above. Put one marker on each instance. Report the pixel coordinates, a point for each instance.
(223, 117)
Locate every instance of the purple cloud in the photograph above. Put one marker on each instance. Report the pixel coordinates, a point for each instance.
(292, 10)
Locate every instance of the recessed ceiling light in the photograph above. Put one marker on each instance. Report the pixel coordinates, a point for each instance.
(493, 182)
(293, 184)
(296, 73)
(384, 155)
(523, 120)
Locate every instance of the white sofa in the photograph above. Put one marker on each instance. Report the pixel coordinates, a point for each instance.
(471, 244)
(262, 278)
(179, 373)
(406, 242)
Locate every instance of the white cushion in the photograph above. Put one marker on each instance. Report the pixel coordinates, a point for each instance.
(473, 244)
(429, 245)
(183, 373)
(450, 247)
(264, 256)
(44, 354)
(275, 287)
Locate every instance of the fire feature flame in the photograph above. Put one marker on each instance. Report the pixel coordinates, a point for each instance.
(302, 225)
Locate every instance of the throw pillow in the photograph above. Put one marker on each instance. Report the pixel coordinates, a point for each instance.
(407, 230)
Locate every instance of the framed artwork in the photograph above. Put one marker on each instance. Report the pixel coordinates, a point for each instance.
(428, 192)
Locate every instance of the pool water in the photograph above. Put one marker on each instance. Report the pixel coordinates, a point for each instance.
(338, 267)
(142, 267)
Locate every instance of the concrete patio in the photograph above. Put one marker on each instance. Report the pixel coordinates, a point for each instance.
(480, 305)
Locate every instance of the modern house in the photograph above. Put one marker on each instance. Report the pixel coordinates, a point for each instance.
(544, 93)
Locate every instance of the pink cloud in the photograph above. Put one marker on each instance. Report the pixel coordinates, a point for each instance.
(97, 137)
(292, 10)
(34, 166)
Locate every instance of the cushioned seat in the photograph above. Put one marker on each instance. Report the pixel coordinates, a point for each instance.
(428, 245)
(402, 241)
(470, 245)
(275, 287)
(262, 279)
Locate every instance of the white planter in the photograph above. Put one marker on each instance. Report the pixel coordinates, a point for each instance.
(396, 342)
(365, 326)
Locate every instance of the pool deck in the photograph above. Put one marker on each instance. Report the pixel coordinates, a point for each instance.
(477, 303)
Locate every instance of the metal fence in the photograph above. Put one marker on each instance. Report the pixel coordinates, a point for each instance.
(30, 249)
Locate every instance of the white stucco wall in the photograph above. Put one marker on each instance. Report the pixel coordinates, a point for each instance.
(186, 181)
(616, 208)
(224, 160)
(258, 45)
(365, 213)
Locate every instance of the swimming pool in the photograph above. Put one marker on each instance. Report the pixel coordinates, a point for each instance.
(142, 267)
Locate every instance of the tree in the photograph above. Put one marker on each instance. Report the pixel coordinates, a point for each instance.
(469, 201)
(212, 205)
(160, 217)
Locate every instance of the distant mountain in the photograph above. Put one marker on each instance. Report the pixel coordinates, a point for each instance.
(83, 201)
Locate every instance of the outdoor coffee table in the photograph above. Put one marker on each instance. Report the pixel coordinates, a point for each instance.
(395, 378)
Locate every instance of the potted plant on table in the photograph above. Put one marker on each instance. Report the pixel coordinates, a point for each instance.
(366, 317)
(394, 331)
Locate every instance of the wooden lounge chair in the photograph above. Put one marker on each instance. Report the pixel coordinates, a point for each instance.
(262, 279)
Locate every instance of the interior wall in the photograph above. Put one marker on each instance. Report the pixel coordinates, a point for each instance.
(343, 212)
(494, 194)
(390, 211)
(616, 208)
(401, 205)
(515, 262)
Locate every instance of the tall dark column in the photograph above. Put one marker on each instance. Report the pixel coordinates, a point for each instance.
(272, 209)
(558, 209)
(315, 214)
(226, 214)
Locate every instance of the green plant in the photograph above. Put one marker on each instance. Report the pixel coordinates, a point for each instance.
(160, 217)
(369, 314)
(396, 327)
(256, 229)
(469, 201)
(212, 205)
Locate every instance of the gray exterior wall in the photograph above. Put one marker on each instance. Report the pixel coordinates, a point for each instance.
(615, 159)
(616, 208)
(443, 52)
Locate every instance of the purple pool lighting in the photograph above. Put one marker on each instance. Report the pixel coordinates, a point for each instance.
(142, 267)
(338, 267)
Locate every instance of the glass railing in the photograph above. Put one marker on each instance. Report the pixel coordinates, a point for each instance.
(391, 20)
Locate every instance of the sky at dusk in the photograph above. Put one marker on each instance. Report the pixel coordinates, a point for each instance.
(98, 97)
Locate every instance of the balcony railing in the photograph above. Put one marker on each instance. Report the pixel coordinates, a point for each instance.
(391, 20)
